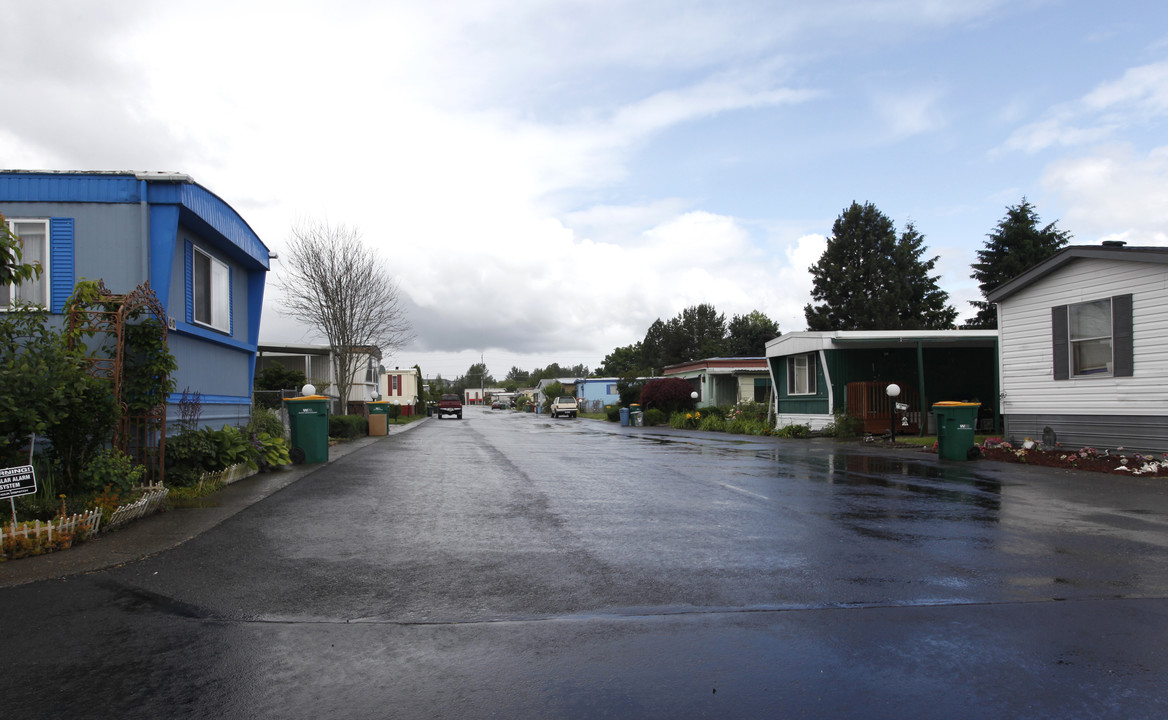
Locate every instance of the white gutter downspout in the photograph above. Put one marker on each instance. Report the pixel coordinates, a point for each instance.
(827, 377)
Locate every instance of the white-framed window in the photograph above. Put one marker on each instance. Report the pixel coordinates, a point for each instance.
(801, 374)
(211, 280)
(34, 242)
(1089, 325)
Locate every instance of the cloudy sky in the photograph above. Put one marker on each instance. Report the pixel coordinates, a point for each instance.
(547, 178)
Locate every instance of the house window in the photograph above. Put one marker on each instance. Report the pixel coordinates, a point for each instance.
(34, 241)
(801, 374)
(394, 379)
(1093, 339)
(610, 389)
(1090, 337)
(211, 280)
(762, 388)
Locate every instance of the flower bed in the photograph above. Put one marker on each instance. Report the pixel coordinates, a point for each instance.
(1117, 462)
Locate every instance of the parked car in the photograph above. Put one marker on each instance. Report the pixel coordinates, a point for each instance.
(565, 406)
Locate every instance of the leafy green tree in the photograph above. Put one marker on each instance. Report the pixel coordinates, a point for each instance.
(476, 377)
(747, 335)
(555, 370)
(623, 360)
(869, 279)
(519, 377)
(1016, 244)
(47, 391)
(551, 391)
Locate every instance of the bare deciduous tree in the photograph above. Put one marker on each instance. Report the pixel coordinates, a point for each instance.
(332, 281)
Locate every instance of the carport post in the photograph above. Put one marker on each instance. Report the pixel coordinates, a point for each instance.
(921, 390)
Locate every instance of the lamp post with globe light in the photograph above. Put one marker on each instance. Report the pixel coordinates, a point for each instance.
(893, 391)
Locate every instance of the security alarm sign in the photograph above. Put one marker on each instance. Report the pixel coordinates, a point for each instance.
(17, 481)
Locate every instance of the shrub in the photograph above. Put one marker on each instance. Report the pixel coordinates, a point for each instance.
(843, 426)
(713, 423)
(669, 395)
(612, 412)
(629, 389)
(653, 416)
(230, 446)
(270, 451)
(394, 411)
(188, 455)
(748, 411)
(794, 431)
(686, 420)
(267, 421)
(347, 426)
(111, 468)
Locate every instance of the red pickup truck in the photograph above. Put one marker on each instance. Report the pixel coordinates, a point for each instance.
(450, 405)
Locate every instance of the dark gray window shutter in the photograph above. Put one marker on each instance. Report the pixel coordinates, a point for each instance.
(1060, 342)
(1121, 336)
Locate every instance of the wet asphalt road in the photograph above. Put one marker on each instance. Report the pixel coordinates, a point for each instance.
(511, 565)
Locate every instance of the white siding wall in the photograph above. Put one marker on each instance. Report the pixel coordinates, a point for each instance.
(1026, 364)
(817, 422)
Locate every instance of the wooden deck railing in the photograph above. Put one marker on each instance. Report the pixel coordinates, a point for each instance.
(869, 402)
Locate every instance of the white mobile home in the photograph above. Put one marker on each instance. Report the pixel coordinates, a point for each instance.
(1084, 348)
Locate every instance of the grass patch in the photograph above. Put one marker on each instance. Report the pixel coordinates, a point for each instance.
(931, 440)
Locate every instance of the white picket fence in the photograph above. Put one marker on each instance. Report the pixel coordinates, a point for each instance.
(79, 526)
(140, 508)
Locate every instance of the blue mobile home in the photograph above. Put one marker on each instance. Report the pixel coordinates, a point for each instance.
(203, 261)
(595, 393)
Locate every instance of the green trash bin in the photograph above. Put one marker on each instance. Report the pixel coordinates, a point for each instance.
(308, 417)
(956, 422)
(378, 417)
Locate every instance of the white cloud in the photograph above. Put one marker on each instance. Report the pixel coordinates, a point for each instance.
(1114, 193)
(1139, 97)
(911, 112)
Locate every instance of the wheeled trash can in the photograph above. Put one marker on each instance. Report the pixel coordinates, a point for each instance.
(308, 417)
(956, 422)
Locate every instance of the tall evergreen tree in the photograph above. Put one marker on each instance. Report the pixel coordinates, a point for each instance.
(747, 335)
(868, 279)
(924, 305)
(664, 344)
(1014, 246)
(703, 331)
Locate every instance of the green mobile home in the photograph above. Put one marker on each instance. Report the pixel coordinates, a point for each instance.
(818, 375)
